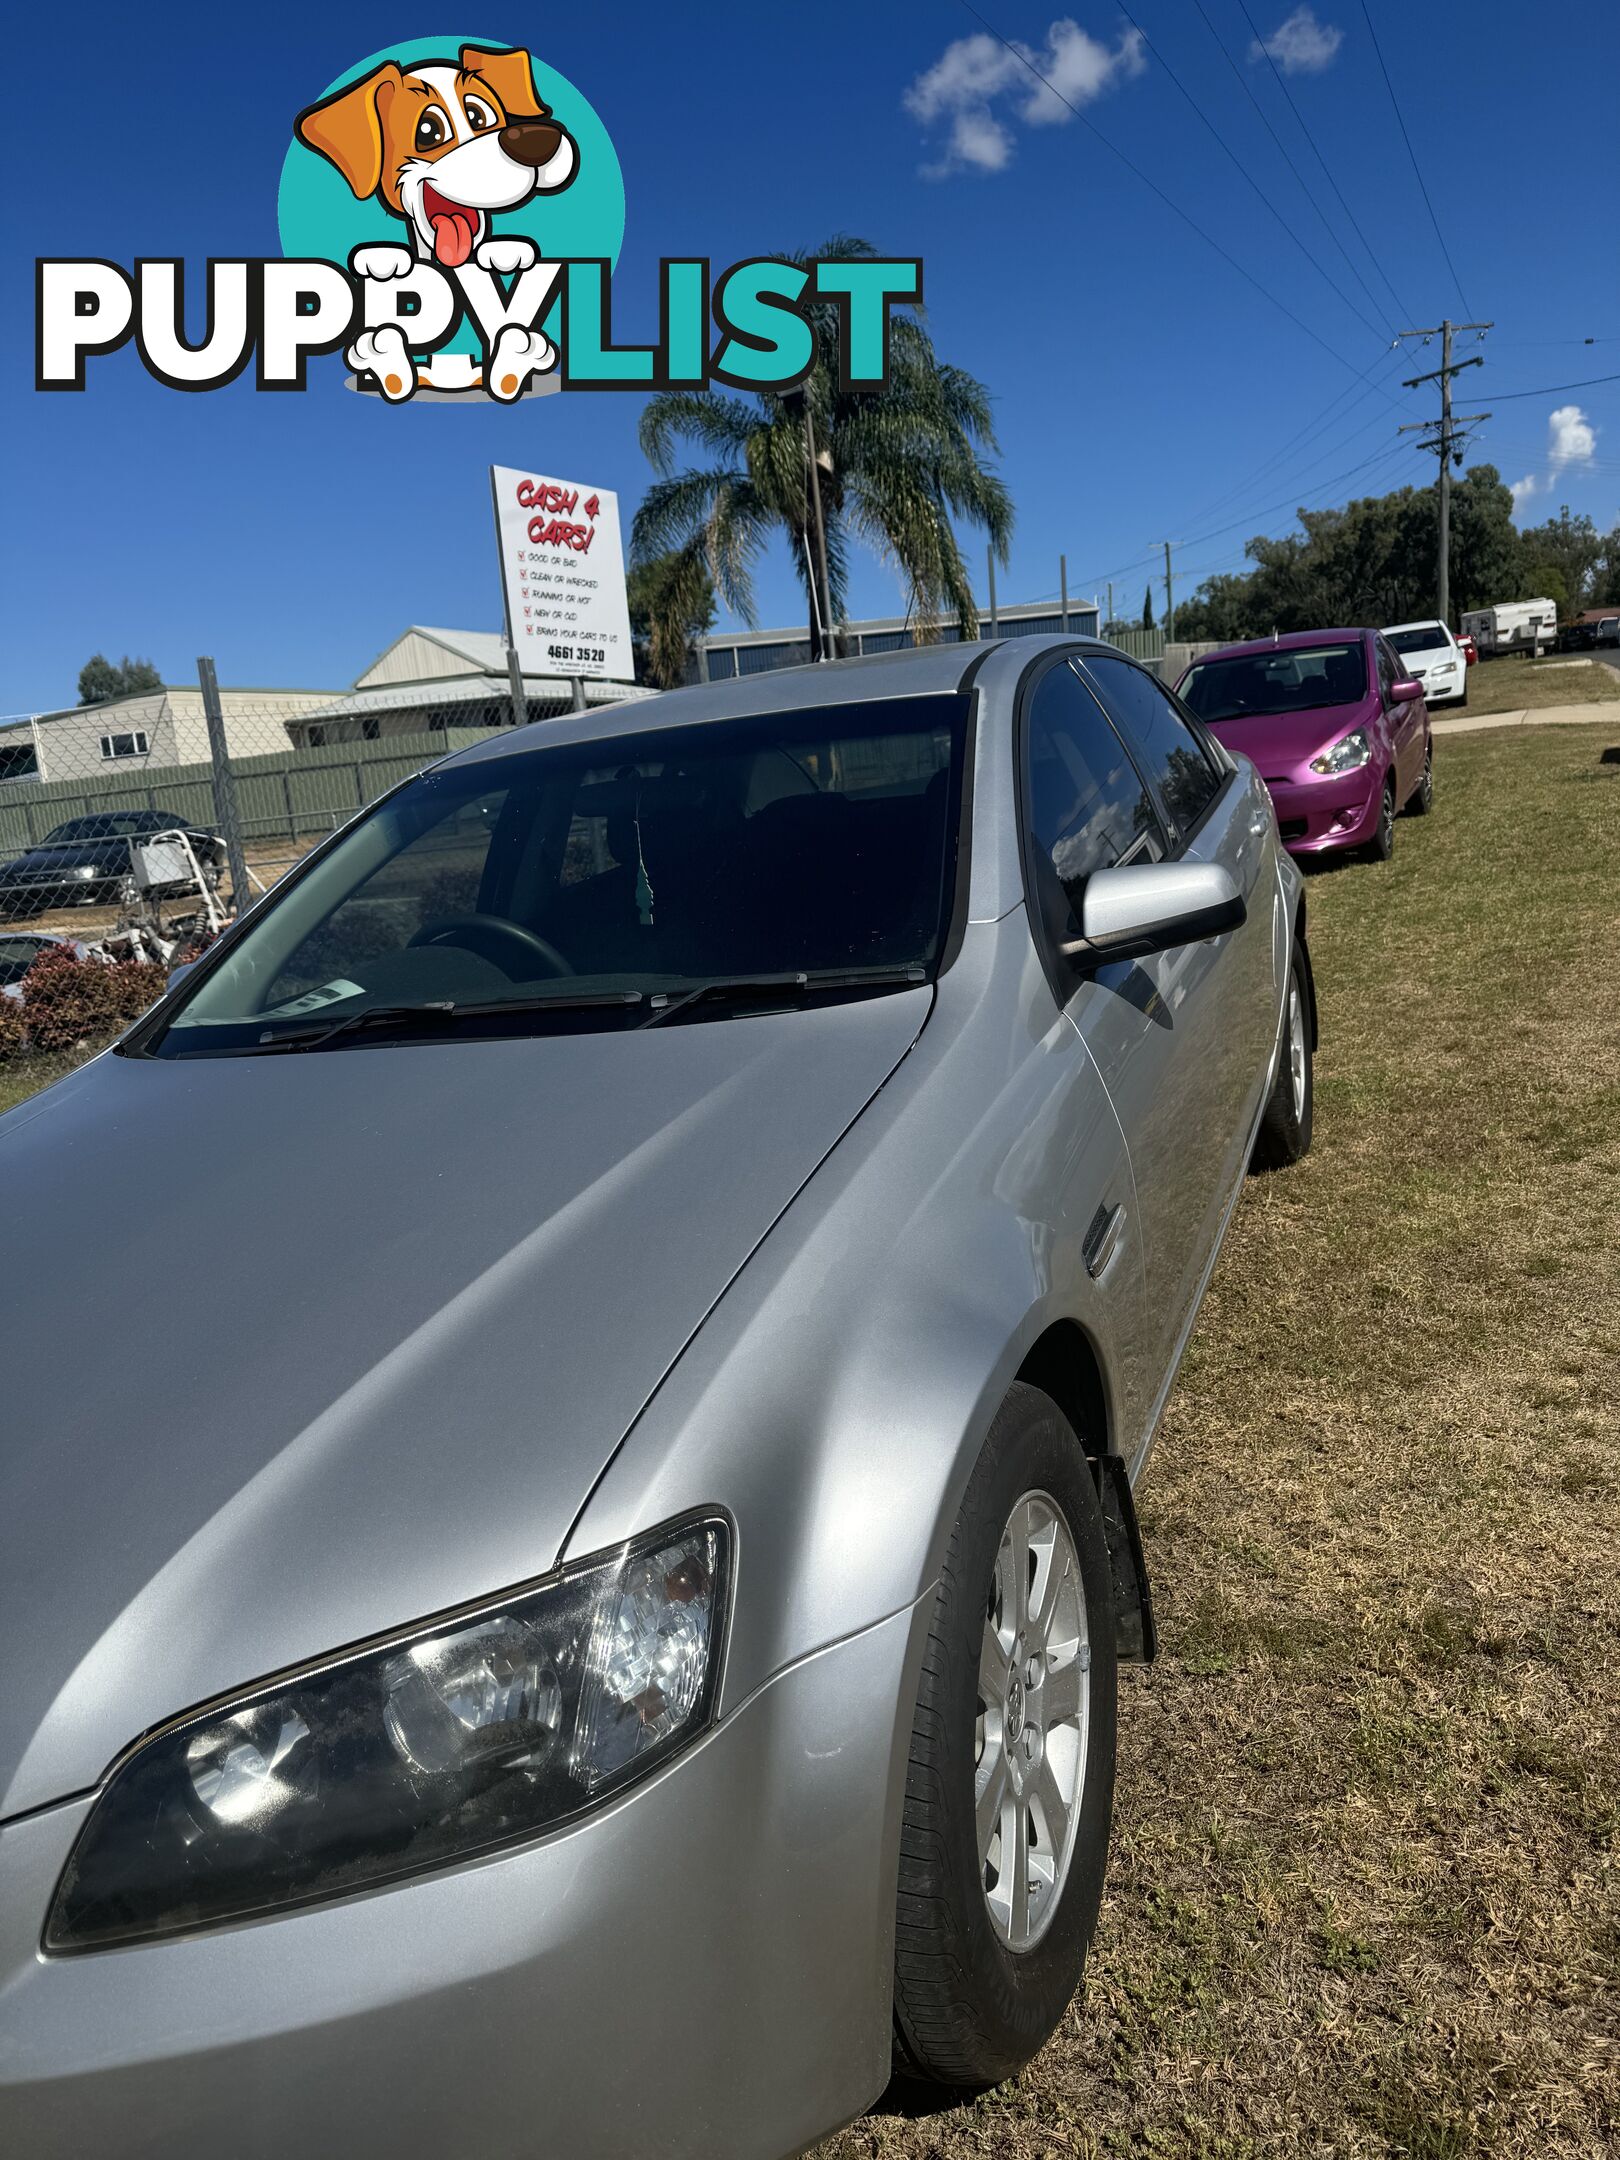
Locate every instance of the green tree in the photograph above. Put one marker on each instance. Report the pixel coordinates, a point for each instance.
(1569, 549)
(1606, 579)
(1543, 579)
(100, 680)
(1367, 562)
(671, 600)
(1147, 607)
(1486, 548)
(892, 468)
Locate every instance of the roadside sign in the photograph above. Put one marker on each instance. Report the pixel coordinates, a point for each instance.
(562, 574)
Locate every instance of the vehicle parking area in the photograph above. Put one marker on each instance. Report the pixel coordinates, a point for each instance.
(97, 919)
(1363, 1896)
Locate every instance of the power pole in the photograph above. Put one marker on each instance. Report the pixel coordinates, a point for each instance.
(1169, 598)
(990, 564)
(1063, 591)
(1110, 600)
(1443, 437)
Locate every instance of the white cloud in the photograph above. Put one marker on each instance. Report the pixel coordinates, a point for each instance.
(981, 88)
(1300, 44)
(1571, 438)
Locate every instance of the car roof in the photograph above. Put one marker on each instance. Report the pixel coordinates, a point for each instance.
(1288, 641)
(916, 671)
(1422, 622)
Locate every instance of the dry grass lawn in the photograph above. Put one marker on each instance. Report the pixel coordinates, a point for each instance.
(1496, 686)
(1363, 1897)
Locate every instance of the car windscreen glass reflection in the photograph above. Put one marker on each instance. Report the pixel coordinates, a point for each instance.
(792, 857)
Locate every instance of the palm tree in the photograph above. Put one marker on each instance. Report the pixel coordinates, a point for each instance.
(824, 466)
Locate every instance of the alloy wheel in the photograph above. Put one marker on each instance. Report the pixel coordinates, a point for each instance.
(1032, 1721)
(1296, 1049)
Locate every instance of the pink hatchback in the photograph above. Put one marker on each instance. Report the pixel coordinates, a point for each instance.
(1337, 727)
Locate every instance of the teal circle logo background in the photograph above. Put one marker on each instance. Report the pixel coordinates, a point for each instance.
(317, 215)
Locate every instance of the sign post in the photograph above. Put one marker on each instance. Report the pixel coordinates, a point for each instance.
(562, 579)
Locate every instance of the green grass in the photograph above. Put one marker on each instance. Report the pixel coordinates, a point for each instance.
(25, 1076)
(1497, 686)
(1364, 1896)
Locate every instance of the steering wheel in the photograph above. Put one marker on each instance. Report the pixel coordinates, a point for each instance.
(450, 929)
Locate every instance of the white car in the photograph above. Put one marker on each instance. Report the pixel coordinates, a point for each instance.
(1433, 655)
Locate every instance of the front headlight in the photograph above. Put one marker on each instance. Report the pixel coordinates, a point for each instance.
(471, 1732)
(1349, 752)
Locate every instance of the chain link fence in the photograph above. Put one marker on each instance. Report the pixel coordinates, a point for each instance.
(137, 829)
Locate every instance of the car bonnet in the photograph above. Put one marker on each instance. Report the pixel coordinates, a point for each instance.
(311, 1346)
(1276, 741)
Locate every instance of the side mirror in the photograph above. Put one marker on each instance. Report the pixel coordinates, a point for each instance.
(1404, 691)
(1154, 907)
(179, 972)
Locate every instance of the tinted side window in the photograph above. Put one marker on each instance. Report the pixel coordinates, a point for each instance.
(1175, 759)
(1390, 669)
(1086, 804)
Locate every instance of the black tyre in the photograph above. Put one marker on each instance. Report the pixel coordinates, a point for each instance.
(1421, 800)
(1010, 1788)
(1382, 844)
(1285, 1124)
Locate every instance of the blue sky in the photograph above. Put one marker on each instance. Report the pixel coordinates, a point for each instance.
(1144, 389)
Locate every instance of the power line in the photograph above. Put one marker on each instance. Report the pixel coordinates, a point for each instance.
(1305, 188)
(1169, 202)
(1391, 450)
(1412, 154)
(1541, 344)
(1308, 433)
(1091, 579)
(1373, 255)
(1210, 127)
(1554, 389)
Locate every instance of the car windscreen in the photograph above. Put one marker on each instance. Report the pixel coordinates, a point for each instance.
(598, 883)
(1290, 679)
(1427, 637)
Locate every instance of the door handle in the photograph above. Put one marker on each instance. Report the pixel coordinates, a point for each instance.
(1101, 1240)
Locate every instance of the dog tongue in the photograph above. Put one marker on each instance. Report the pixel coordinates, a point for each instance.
(453, 231)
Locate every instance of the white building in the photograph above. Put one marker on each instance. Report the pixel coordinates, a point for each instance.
(432, 679)
(149, 732)
(425, 682)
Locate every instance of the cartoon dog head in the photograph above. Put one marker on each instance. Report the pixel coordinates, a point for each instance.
(444, 144)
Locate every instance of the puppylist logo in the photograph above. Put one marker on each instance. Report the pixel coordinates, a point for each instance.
(451, 213)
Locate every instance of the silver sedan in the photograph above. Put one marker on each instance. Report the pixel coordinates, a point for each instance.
(598, 1632)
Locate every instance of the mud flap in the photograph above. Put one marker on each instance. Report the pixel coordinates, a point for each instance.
(1136, 1638)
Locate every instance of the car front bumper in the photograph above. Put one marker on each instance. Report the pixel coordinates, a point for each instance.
(703, 1968)
(1327, 811)
(1447, 690)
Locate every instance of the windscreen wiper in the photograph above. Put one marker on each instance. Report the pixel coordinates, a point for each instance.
(748, 987)
(434, 1009)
